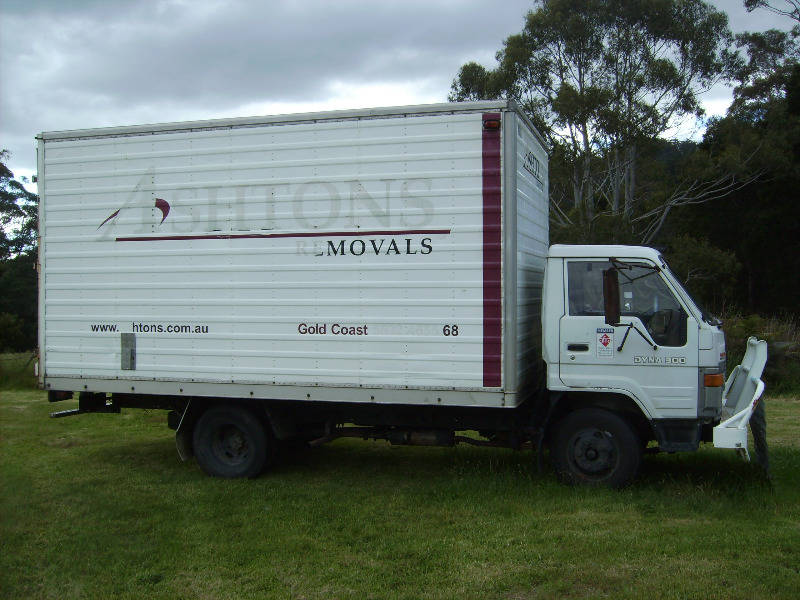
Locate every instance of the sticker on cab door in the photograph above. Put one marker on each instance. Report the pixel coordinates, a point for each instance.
(605, 342)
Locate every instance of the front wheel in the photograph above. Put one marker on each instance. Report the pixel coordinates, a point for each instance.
(596, 447)
(230, 442)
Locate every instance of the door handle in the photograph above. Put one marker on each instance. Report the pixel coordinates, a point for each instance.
(578, 347)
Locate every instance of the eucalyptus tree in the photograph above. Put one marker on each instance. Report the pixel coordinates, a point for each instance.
(601, 77)
(18, 223)
(787, 8)
(18, 209)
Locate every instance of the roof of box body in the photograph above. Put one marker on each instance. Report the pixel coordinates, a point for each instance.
(603, 251)
(334, 115)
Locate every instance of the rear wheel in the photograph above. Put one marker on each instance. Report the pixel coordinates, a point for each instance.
(596, 447)
(230, 442)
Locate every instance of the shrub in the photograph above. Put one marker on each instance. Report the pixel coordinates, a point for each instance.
(12, 336)
(782, 373)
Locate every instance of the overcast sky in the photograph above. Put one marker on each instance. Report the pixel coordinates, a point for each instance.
(74, 64)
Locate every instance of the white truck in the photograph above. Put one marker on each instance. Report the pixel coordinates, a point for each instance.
(379, 273)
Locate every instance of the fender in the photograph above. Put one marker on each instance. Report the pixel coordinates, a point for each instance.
(645, 408)
(615, 401)
(631, 396)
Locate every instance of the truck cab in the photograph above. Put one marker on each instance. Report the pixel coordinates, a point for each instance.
(621, 332)
(657, 353)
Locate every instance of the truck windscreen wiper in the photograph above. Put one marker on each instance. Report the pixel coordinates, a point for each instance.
(622, 266)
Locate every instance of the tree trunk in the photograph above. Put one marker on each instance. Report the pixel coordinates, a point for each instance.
(588, 192)
(630, 180)
(577, 187)
(616, 181)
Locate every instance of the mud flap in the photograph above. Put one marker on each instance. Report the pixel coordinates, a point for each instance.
(183, 436)
(740, 397)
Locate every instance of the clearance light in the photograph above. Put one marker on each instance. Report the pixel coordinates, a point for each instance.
(491, 124)
(714, 380)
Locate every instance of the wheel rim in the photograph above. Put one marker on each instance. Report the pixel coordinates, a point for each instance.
(593, 453)
(230, 445)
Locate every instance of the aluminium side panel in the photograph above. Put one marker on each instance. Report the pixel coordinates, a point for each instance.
(532, 242)
(293, 256)
(40, 270)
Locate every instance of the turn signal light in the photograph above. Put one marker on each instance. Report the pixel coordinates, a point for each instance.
(491, 124)
(714, 380)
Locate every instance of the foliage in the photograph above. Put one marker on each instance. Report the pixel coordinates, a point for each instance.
(18, 284)
(11, 335)
(772, 329)
(765, 76)
(708, 272)
(782, 373)
(601, 79)
(787, 8)
(605, 80)
(19, 301)
(18, 213)
(760, 134)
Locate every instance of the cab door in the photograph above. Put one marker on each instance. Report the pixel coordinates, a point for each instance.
(594, 355)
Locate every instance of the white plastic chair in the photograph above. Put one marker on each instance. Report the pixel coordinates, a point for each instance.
(742, 392)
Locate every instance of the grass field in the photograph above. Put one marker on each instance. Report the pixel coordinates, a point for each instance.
(98, 506)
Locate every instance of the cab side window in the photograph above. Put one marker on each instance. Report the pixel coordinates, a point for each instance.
(585, 282)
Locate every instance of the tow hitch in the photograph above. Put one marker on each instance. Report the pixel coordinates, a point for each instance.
(88, 402)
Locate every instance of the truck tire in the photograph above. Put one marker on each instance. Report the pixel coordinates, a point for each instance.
(231, 442)
(596, 447)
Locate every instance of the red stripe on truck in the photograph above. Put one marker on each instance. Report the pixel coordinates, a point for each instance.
(304, 234)
(492, 309)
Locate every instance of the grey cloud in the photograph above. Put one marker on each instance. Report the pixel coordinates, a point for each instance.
(58, 7)
(87, 63)
(82, 64)
(271, 53)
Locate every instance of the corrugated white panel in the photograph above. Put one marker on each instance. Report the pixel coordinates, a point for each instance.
(239, 255)
(532, 245)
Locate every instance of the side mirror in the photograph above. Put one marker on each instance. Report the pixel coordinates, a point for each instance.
(611, 296)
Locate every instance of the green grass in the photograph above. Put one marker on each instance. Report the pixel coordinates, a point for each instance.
(98, 506)
(16, 371)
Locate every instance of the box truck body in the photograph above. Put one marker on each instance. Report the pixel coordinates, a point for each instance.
(370, 256)
(380, 273)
